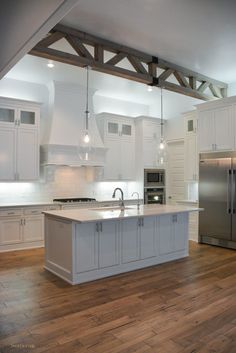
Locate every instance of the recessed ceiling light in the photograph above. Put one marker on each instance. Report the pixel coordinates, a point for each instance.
(149, 88)
(50, 64)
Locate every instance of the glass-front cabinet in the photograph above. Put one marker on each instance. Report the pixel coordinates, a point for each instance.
(19, 140)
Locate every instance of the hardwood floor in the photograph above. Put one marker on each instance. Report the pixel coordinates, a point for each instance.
(186, 306)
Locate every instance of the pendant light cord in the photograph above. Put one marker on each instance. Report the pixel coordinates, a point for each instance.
(162, 123)
(87, 97)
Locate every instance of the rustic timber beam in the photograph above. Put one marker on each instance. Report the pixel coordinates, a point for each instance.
(144, 68)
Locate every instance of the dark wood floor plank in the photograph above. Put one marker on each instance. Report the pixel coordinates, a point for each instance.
(186, 306)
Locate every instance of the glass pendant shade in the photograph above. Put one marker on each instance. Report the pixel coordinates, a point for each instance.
(161, 151)
(85, 139)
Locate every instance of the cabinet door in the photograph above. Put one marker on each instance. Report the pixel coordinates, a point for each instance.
(112, 169)
(27, 154)
(127, 160)
(151, 130)
(181, 232)
(206, 131)
(148, 237)
(33, 228)
(7, 115)
(130, 240)
(166, 235)
(108, 244)
(11, 231)
(150, 148)
(190, 160)
(7, 153)
(28, 118)
(86, 247)
(224, 138)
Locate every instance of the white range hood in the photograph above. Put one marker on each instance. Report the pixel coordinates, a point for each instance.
(65, 126)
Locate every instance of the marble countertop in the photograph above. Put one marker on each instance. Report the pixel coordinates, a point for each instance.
(50, 203)
(188, 201)
(28, 204)
(108, 213)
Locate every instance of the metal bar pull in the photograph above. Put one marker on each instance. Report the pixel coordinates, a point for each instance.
(233, 192)
(229, 195)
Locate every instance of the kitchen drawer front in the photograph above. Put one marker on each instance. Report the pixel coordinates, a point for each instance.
(33, 211)
(52, 208)
(11, 212)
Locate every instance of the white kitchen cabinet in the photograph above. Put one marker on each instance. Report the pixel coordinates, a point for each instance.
(190, 158)
(215, 129)
(148, 133)
(130, 240)
(148, 237)
(86, 247)
(173, 234)
(7, 153)
(138, 238)
(33, 228)
(118, 135)
(109, 251)
(19, 145)
(11, 231)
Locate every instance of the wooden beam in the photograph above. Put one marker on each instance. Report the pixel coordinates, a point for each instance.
(78, 46)
(80, 61)
(181, 79)
(51, 38)
(138, 66)
(116, 59)
(187, 80)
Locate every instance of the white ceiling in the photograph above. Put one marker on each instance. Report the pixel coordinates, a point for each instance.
(197, 34)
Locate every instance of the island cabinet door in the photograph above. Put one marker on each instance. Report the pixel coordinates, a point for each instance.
(181, 232)
(130, 240)
(86, 247)
(148, 237)
(166, 234)
(109, 254)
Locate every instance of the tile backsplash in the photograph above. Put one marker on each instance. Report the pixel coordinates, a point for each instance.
(62, 181)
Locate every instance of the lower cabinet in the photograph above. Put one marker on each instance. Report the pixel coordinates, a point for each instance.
(130, 243)
(86, 247)
(173, 235)
(109, 247)
(33, 228)
(10, 231)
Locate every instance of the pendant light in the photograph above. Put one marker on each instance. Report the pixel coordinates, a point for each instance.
(85, 143)
(161, 154)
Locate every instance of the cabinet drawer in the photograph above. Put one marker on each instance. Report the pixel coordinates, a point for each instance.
(33, 211)
(11, 212)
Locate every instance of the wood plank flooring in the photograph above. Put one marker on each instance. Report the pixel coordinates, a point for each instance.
(186, 306)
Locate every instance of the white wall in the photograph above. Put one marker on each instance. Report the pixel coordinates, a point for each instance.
(175, 128)
(117, 106)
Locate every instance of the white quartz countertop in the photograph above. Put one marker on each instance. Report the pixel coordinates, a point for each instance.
(29, 204)
(108, 213)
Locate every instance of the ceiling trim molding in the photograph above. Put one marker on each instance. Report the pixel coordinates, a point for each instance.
(145, 68)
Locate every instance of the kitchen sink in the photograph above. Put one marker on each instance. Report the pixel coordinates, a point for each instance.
(114, 208)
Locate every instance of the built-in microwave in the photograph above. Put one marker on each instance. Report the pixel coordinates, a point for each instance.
(154, 177)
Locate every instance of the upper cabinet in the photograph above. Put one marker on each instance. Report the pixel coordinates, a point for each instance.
(19, 140)
(190, 146)
(118, 135)
(148, 133)
(216, 124)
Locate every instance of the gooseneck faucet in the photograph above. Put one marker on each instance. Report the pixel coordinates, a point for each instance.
(122, 205)
(138, 204)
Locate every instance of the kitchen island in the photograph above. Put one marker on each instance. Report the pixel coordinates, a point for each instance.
(82, 245)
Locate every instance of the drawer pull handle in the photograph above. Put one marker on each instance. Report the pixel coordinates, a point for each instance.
(10, 213)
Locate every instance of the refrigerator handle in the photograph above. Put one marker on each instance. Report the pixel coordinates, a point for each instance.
(229, 194)
(233, 191)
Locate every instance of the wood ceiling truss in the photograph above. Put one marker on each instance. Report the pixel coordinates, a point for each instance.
(92, 51)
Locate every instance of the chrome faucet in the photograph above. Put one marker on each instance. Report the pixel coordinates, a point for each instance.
(136, 193)
(122, 205)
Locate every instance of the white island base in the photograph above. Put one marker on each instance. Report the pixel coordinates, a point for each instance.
(80, 251)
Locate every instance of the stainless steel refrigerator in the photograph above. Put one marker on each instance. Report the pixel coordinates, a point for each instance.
(217, 179)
